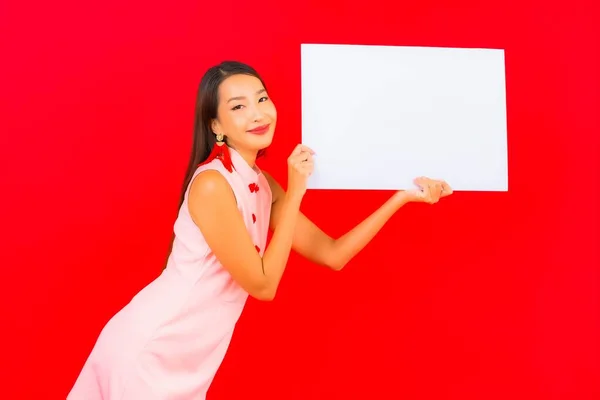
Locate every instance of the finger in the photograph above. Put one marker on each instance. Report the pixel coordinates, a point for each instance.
(302, 163)
(431, 194)
(441, 189)
(301, 148)
(307, 149)
(302, 157)
(426, 192)
(420, 181)
(437, 191)
(446, 189)
(298, 158)
(301, 166)
(297, 150)
(306, 167)
(434, 189)
(307, 157)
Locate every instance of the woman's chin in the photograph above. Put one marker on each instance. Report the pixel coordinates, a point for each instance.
(261, 142)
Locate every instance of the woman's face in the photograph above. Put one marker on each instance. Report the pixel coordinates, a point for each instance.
(246, 116)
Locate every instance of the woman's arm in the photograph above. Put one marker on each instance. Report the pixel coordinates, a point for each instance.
(213, 208)
(315, 245)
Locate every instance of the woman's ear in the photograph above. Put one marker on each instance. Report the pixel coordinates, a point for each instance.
(214, 126)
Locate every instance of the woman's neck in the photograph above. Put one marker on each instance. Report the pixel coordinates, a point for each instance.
(248, 156)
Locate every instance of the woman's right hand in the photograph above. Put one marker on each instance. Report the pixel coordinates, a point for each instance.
(300, 167)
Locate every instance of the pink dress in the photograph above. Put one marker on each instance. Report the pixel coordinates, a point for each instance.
(169, 341)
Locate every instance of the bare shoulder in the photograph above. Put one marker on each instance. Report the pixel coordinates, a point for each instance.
(209, 183)
(276, 188)
(210, 192)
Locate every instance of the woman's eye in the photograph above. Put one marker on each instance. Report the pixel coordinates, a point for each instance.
(239, 106)
(263, 99)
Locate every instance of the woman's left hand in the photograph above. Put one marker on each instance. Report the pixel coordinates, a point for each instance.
(429, 191)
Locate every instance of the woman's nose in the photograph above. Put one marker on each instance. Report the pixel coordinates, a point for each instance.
(257, 113)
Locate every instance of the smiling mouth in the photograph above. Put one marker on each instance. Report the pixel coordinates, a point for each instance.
(260, 130)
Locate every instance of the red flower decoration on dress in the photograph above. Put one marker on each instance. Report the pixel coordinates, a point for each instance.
(257, 248)
(253, 187)
(253, 218)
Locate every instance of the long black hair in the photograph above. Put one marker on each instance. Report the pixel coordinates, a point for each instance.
(207, 101)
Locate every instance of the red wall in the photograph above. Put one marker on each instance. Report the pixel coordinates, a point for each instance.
(483, 296)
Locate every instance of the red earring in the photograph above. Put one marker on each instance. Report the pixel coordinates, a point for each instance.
(220, 151)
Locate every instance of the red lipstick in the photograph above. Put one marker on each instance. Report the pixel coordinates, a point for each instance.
(260, 130)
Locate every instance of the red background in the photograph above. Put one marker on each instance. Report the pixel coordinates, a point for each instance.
(483, 296)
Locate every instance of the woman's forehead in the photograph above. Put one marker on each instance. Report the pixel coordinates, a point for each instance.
(240, 85)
